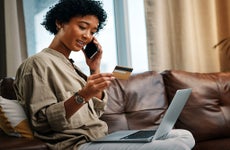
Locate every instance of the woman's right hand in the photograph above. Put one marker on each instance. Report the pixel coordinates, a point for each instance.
(95, 85)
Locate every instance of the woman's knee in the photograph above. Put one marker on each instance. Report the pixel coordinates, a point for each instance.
(184, 136)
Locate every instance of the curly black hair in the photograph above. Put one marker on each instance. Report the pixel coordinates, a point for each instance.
(64, 10)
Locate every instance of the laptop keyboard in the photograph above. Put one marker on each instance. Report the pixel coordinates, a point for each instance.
(140, 134)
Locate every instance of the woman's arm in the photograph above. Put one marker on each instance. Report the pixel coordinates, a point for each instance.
(94, 87)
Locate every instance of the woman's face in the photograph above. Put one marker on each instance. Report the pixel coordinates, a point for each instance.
(78, 32)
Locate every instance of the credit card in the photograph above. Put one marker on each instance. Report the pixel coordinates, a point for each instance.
(122, 72)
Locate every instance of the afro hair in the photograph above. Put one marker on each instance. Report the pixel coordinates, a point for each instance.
(64, 10)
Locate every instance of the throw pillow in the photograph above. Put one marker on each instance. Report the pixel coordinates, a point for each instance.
(13, 120)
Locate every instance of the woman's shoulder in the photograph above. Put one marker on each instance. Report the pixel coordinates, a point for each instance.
(42, 57)
(38, 63)
(36, 60)
(39, 57)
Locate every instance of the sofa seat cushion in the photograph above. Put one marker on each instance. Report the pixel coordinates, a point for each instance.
(207, 112)
(136, 103)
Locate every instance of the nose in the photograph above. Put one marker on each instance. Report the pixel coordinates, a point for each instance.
(87, 35)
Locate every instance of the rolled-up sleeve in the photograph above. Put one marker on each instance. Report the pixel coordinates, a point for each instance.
(56, 116)
(45, 111)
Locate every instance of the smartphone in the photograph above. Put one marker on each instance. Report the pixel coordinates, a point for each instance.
(91, 50)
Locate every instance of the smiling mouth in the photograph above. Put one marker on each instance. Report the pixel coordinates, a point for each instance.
(81, 44)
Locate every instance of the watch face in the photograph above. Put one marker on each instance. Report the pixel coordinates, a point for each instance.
(79, 99)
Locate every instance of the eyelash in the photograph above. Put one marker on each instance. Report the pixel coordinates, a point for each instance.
(83, 28)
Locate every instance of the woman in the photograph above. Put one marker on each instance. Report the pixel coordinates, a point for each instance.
(63, 104)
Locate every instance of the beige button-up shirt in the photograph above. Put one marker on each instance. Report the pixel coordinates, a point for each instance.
(43, 82)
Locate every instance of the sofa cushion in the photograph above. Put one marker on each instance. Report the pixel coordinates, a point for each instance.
(207, 112)
(13, 120)
(136, 103)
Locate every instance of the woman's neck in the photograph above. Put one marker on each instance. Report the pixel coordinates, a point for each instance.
(60, 47)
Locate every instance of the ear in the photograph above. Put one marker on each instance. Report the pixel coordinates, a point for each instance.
(58, 24)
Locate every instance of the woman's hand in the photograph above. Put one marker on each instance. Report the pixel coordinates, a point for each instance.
(95, 62)
(96, 83)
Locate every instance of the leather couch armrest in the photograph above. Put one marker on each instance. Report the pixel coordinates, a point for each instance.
(207, 112)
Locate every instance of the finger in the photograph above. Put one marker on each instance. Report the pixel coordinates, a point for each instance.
(102, 80)
(102, 85)
(100, 75)
(95, 40)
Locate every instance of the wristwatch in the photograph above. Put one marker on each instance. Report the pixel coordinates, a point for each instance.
(79, 99)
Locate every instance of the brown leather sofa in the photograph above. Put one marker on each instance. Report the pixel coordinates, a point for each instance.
(140, 103)
(11, 142)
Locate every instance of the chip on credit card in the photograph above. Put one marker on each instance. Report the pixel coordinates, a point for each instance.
(122, 72)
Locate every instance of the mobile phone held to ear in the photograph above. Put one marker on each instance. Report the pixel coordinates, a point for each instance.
(91, 50)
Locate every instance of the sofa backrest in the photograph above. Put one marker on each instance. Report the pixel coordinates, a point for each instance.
(137, 103)
(207, 112)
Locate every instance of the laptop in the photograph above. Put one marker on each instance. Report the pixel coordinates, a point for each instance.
(166, 125)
